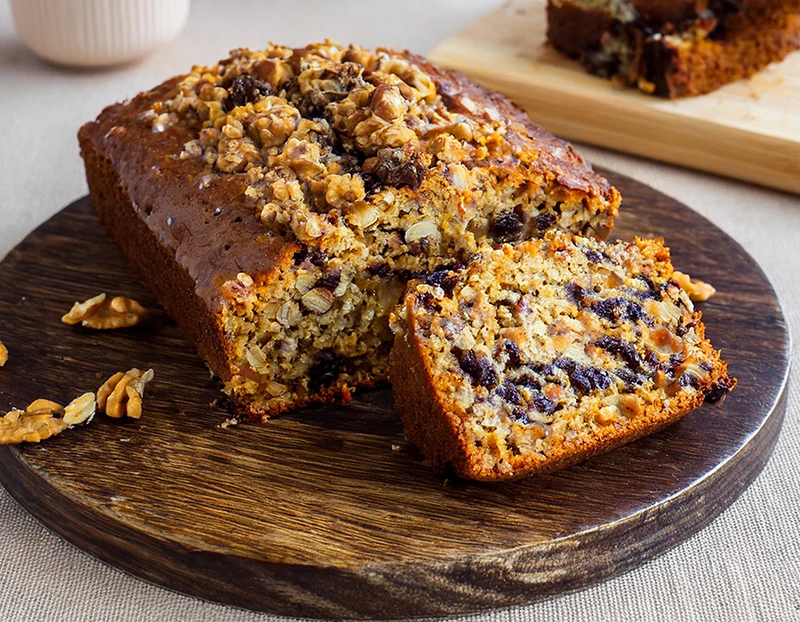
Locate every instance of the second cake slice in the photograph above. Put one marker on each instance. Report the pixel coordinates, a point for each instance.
(540, 355)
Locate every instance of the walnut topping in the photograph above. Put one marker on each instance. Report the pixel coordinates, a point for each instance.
(80, 410)
(121, 395)
(101, 312)
(698, 290)
(32, 425)
(315, 127)
(3, 354)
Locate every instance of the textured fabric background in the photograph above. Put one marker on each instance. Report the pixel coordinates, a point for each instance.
(744, 566)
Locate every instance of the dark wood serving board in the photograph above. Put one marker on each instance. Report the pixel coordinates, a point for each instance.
(329, 512)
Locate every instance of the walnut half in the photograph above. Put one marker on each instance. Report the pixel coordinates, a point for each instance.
(698, 290)
(40, 420)
(102, 312)
(121, 395)
(3, 354)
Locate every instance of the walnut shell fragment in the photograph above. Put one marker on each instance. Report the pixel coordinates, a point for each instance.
(3, 354)
(32, 425)
(698, 290)
(121, 395)
(102, 312)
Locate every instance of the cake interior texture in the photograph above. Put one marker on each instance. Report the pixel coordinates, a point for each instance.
(541, 354)
(675, 49)
(290, 194)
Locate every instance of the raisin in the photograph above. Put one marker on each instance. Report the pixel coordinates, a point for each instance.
(314, 255)
(652, 291)
(719, 390)
(409, 275)
(330, 281)
(397, 167)
(512, 350)
(379, 269)
(520, 415)
(507, 227)
(630, 378)
(300, 256)
(672, 364)
(428, 301)
(682, 329)
(444, 278)
(620, 309)
(510, 393)
(479, 369)
(530, 382)
(317, 257)
(689, 380)
(244, 89)
(545, 370)
(583, 378)
(623, 349)
(591, 255)
(543, 404)
(576, 293)
(325, 370)
(544, 221)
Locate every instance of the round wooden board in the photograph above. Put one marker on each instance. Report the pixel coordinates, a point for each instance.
(329, 512)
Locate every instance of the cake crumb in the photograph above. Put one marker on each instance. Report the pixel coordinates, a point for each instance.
(229, 422)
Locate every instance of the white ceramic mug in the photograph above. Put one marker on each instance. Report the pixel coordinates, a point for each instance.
(93, 33)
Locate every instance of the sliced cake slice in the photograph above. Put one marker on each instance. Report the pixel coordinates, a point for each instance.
(539, 355)
(677, 48)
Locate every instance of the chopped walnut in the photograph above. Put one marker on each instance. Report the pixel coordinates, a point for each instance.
(32, 425)
(121, 395)
(80, 410)
(102, 312)
(315, 115)
(3, 354)
(698, 290)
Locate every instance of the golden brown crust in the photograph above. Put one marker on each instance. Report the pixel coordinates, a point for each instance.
(155, 263)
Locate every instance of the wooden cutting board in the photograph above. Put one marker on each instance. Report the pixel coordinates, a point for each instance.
(328, 512)
(749, 130)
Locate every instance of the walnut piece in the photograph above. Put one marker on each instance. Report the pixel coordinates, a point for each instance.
(102, 312)
(3, 354)
(37, 422)
(698, 290)
(80, 410)
(121, 395)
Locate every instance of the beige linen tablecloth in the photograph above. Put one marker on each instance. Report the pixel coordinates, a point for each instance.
(744, 566)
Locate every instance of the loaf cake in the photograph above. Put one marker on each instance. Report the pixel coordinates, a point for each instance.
(541, 354)
(675, 48)
(278, 201)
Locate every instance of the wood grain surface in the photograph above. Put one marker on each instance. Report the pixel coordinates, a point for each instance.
(747, 130)
(328, 512)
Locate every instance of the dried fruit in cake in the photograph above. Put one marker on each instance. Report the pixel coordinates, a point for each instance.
(542, 354)
(278, 201)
